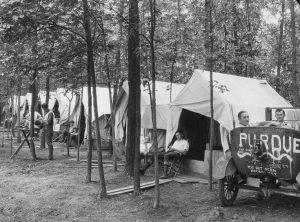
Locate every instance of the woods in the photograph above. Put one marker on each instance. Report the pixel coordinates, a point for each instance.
(244, 33)
(68, 44)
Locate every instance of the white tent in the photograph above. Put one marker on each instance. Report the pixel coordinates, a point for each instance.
(65, 98)
(164, 94)
(42, 98)
(68, 98)
(103, 103)
(22, 104)
(231, 95)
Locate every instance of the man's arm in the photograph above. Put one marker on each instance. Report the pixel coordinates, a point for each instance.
(186, 148)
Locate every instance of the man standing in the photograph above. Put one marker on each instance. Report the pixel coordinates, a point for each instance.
(48, 128)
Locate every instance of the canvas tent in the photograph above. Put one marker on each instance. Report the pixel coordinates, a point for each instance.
(231, 95)
(164, 94)
(103, 103)
(22, 104)
(41, 97)
(76, 111)
(65, 99)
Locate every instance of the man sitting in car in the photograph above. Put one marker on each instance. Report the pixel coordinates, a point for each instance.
(279, 115)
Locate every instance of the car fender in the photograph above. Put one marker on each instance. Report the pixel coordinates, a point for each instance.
(224, 167)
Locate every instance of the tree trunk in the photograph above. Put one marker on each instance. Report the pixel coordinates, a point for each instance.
(294, 55)
(47, 89)
(207, 39)
(153, 101)
(68, 128)
(12, 114)
(91, 73)
(133, 127)
(280, 42)
(79, 124)
(225, 49)
(117, 73)
(33, 102)
(19, 115)
(112, 117)
(89, 128)
(236, 62)
(211, 134)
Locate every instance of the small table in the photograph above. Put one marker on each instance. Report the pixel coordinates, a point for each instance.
(26, 133)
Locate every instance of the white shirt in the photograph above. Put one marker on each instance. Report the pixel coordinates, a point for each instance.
(181, 145)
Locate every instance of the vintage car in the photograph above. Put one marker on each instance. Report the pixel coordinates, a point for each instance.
(265, 159)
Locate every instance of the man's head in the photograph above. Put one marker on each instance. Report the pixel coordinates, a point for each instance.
(45, 106)
(279, 115)
(243, 117)
(179, 135)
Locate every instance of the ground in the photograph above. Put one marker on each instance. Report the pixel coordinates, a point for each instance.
(46, 190)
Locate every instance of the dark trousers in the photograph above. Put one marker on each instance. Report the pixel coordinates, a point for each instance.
(49, 138)
(42, 138)
(170, 155)
(150, 157)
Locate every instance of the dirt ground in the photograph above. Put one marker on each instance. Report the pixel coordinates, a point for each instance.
(56, 191)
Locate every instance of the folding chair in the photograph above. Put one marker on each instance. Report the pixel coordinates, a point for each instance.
(176, 165)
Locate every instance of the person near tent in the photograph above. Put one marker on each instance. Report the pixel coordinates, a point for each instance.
(26, 121)
(279, 115)
(179, 148)
(47, 124)
(243, 118)
(70, 135)
(147, 149)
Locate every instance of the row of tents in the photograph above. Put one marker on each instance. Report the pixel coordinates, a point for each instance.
(65, 104)
(187, 108)
(178, 106)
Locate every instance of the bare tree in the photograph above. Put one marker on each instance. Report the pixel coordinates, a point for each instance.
(153, 101)
(280, 42)
(134, 116)
(211, 131)
(294, 55)
(91, 72)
